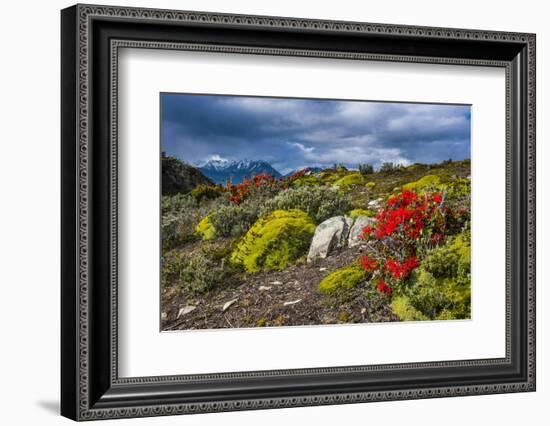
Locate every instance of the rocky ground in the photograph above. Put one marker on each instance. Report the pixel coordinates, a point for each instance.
(277, 298)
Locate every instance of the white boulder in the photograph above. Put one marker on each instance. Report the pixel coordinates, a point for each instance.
(331, 234)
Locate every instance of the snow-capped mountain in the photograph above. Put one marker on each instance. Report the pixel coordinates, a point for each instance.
(221, 170)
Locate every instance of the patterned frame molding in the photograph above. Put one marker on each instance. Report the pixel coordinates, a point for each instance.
(86, 399)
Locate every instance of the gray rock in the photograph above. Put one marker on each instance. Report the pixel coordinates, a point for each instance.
(292, 302)
(331, 234)
(355, 232)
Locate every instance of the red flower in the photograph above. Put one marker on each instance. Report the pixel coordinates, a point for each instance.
(401, 270)
(382, 287)
(365, 233)
(368, 264)
(437, 198)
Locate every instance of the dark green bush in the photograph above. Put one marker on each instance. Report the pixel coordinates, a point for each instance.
(390, 168)
(366, 169)
(206, 192)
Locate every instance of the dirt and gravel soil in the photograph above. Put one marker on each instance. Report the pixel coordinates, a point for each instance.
(277, 298)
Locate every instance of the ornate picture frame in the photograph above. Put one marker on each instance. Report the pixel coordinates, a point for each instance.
(91, 37)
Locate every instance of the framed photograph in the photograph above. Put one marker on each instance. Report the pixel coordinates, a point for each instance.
(263, 212)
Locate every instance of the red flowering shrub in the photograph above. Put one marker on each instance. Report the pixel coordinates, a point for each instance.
(401, 270)
(261, 183)
(410, 225)
(368, 264)
(239, 192)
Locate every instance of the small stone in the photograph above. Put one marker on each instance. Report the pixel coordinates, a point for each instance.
(292, 303)
(186, 310)
(276, 283)
(163, 316)
(264, 287)
(322, 269)
(363, 310)
(228, 304)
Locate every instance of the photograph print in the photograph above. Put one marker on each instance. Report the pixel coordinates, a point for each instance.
(312, 212)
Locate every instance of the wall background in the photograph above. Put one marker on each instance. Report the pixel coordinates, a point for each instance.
(29, 216)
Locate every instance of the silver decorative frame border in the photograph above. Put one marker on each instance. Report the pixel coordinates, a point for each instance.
(86, 13)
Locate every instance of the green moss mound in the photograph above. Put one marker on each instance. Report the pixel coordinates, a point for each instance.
(425, 182)
(361, 212)
(311, 180)
(275, 241)
(205, 229)
(342, 279)
(370, 185)
(351, 179)
(403, 308)
(440, 287)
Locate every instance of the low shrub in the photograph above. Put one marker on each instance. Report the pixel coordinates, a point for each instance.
(200, 271)
(180, 216)
(275, 241)
(342, 279)
(176, 230)
(234, 220)
(320, 203)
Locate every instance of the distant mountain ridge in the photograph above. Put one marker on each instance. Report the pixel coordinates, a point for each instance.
(222, 170)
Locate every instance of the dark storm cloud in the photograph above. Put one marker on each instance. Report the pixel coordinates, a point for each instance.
(294, 133)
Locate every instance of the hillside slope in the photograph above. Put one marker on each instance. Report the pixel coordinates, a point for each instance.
(178, 177)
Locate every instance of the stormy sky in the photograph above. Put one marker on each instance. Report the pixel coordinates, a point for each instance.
(294, 133)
